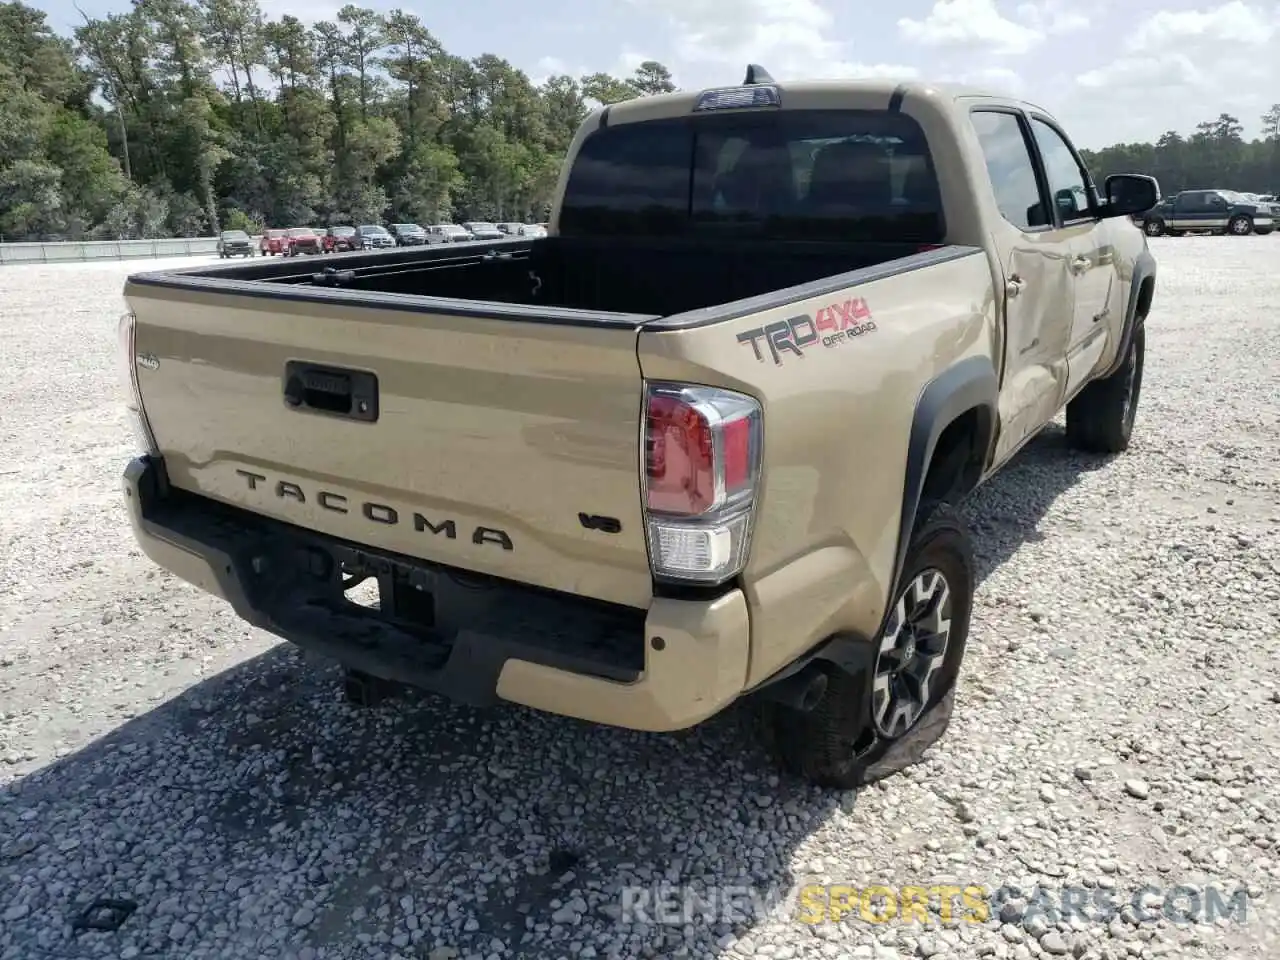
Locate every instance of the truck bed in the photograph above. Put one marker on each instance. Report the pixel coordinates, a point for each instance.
(477, 408)
(613, 281)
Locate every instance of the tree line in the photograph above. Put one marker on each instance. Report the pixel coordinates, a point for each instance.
(180, 118)
(1214, 156)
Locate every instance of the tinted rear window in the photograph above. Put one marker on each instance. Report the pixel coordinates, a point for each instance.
(804, 175)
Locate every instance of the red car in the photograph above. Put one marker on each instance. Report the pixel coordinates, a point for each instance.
(274, 241)
(302, 240)
(340, 239)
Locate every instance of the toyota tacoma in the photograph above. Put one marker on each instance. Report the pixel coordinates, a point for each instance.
(701, 442)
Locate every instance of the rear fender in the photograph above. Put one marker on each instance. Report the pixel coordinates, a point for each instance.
(969, 385)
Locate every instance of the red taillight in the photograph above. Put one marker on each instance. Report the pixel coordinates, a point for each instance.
(702, 458)
(681, 463)
(925, 248)
(737, 454)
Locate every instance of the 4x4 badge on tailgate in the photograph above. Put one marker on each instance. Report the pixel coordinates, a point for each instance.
(148, 361)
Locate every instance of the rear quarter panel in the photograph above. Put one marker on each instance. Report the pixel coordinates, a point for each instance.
(836, 425)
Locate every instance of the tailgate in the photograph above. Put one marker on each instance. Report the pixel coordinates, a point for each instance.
(492, 436)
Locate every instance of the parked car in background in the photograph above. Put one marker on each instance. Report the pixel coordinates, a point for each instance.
(339, 240)
(532, 230)
(273, 242)
(408, 234)
(303, 240)
(511, 229)
(1267, 202)
(234, 243)
(451, 233)
(482, 230)
(1207, 211)
(374, 236)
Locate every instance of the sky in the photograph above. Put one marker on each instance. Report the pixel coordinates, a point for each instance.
(1110, 71)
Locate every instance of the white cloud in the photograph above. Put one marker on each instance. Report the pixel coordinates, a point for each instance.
(1231, 23)
(1179, 68)
(1164, 73)
(971, 23)
(1052, 17)
(791, 38)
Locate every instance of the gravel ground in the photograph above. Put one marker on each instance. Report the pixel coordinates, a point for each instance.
(1117, 727)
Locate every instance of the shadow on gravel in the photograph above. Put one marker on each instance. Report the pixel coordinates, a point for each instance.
(259, 815)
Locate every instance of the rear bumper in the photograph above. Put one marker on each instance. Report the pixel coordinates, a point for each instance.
(665, 668)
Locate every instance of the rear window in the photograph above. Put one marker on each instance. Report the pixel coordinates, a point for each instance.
(848, 175)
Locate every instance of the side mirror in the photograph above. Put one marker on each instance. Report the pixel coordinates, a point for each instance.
(1130, 193)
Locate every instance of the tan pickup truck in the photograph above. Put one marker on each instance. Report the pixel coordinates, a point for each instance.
(698, 443)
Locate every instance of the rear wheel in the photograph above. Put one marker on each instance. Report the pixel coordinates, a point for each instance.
(1153, 228)
(1240, 226)
(1100, 419)
(869, 726)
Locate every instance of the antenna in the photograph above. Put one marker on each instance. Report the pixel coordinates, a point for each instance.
(757, 74)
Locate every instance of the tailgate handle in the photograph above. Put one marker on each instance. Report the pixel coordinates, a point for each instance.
(332, 391)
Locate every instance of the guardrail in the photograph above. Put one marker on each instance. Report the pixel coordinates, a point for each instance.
(73, 250)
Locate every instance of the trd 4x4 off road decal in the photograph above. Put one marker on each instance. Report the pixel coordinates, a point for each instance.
(830, 326)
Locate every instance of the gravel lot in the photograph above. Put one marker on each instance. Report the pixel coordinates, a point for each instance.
(1118, 723)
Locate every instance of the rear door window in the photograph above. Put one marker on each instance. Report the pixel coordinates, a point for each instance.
(840, 175)
(1010, 168)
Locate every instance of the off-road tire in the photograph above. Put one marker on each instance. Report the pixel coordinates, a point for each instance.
(836, 745)
(1100, 419)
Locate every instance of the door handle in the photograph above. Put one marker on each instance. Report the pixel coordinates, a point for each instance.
(338, 392)
(1081, 264)
(1014, 286)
